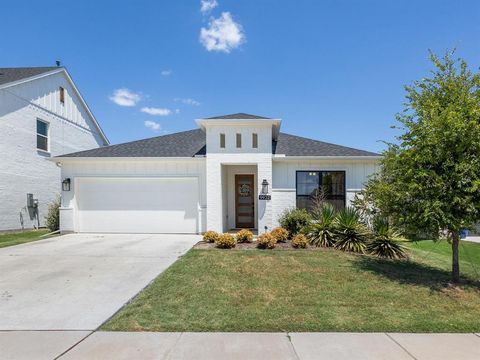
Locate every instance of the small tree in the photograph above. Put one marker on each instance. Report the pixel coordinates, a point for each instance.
(52, 220)
(429, 180)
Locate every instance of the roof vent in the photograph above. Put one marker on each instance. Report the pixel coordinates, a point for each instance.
(57, 62)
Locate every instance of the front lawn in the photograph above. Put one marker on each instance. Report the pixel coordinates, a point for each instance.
(9, 239)
(439, 254)
(302, 290)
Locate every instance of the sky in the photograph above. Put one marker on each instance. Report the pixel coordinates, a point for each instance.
(331, 70)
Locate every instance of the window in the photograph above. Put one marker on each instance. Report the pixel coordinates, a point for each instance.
(254, 141)
(62, 95)
(239, 141)
(222, 141)
(326, 185)
(42, 135)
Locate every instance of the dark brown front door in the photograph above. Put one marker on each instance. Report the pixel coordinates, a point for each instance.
(244, 201)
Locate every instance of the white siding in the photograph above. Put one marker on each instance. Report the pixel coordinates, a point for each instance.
(264, 139)
(284, 178)
(141, 168)
(24, 169)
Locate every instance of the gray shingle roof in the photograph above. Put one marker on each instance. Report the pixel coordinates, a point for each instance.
(8, 75)
(192, 142)
(238, 116)
(292, 145)
(181, 144)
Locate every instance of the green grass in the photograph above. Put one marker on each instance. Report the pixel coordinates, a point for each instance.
(301, 290)
(439, 254)
(10, 239)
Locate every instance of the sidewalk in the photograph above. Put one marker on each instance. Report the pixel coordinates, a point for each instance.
(264, 346)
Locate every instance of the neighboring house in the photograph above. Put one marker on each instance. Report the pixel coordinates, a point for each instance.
(42, 115)
(235, 171)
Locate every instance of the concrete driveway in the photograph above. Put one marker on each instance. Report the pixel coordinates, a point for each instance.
(77, 281)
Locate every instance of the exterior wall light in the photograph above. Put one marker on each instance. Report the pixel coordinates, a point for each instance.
(66, 184)
(265, 186)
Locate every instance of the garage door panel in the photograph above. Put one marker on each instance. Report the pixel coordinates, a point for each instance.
(140, 205)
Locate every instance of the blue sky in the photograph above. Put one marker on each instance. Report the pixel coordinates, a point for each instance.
(332, 70)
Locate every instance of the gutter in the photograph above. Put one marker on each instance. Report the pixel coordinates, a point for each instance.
(282, 157)
(60, 159)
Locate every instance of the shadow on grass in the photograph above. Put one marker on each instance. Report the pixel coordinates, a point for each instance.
(412, 273)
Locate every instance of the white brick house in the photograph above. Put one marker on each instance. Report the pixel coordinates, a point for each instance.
(42, 115)
(234, 171)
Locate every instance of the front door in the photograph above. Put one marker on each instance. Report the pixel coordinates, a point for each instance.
(244, 201)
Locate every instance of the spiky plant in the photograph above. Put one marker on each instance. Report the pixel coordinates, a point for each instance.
(322, 231)
(386, 240)
(352, 235)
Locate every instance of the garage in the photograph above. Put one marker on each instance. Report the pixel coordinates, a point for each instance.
(137, 205)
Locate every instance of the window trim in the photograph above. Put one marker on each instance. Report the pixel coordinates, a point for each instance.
(321, 171)
(44, 136)
(222, 140)
(254, 141)
(238, 140)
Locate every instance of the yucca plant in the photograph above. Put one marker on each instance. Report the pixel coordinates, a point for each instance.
(386, 240)
(321, 232)
(352, 235)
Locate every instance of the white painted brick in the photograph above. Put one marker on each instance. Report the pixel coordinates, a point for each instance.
(23, 169)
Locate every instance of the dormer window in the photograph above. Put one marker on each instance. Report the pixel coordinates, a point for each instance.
(222, 141)
(62, 95)
(239, 141)
(254, 141)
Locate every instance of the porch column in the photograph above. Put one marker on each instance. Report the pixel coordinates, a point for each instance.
(214, 194)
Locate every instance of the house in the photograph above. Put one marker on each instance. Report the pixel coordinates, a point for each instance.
(233, 171)
(42, 115)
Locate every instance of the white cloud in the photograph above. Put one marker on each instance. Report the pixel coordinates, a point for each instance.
(223, 34)
(207, 6)
(125, 97)
(156, 111)
(152, 125)
(166, 72)
(187, 101)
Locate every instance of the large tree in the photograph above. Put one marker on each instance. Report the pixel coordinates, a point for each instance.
(429, 181)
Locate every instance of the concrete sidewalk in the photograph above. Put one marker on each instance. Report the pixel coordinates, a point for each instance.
(297, 346)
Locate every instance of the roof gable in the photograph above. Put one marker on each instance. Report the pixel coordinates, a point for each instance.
(238, 116)
(10, 77)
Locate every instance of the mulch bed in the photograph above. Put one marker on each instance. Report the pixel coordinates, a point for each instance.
(252, 246)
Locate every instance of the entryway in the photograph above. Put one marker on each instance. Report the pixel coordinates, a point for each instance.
(239, 197)
(244, 201)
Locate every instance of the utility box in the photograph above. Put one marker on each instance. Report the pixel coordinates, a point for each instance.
(30, 201)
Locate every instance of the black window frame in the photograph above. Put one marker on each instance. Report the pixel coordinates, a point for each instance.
(319, 184)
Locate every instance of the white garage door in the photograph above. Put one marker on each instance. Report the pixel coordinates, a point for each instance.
(137, 205)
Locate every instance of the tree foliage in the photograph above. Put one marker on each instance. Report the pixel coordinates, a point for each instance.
(429, 182)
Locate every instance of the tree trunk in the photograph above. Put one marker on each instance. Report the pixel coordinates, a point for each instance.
(455, 264)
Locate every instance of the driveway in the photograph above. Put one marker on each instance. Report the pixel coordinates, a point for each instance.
(77, 281)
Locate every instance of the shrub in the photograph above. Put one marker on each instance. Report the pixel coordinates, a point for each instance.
(385, 241)
(294, 220)
(266, 241)
(351, 233)
(322, 231)
(244, 236)
(225, 241)
(280, 234)
(210, 236)
(300, 241)
(52, 220)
